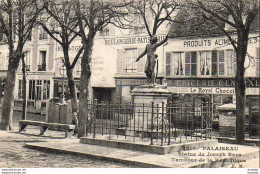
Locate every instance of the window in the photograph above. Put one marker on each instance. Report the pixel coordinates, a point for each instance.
(130, 63)
(231, 63)
(205, 63)
(43, 34)
(42, 61)
(46, 89)
(175, 61)
(31, 89)
(20, 89)
(257, 61)
(178, 63)
(138, 25)
(191, 63)
(27, 59)
(218, 63)
(107, 30)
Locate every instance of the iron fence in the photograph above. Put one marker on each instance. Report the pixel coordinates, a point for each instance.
(159, 122)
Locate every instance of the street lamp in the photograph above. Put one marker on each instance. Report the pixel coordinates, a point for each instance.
(63, 74)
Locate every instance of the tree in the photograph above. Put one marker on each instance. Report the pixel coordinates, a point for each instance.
(61, 26)
(17, 18)
(92, 16)
(239, 14)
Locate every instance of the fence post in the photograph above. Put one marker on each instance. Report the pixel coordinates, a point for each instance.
(162, 123)
(95, 114)
(170, 115)
(87, 121)
(152, 123)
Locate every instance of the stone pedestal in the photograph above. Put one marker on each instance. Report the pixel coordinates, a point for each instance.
(227, 120)
(143, 96)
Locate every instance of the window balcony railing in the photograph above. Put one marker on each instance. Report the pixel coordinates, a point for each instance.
(42, 67)
(27, 67)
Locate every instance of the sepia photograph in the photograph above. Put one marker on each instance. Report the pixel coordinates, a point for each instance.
(93, 84)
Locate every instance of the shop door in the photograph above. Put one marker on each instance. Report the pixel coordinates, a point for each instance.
(102, 94)
(254, 117)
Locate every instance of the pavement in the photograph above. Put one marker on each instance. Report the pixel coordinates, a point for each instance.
(222, 155)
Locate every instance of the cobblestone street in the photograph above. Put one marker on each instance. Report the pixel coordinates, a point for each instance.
(13, 154)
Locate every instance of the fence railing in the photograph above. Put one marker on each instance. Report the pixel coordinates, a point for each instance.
(162, 123)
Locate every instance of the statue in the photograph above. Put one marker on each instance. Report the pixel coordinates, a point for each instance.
(151, 58)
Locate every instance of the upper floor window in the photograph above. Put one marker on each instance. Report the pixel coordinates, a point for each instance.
(205, 63)
(126, 60)
(218, 63)
(176, 62)
(130, 57)
(43, 34)
(201, 63)
(230, 56)
(42, 61)
(107, 30)
(138, 26)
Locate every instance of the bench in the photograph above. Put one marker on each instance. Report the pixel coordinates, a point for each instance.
(67, 128)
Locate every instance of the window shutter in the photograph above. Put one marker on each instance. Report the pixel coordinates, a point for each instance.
(257, 61)
(221, 63)
(141, 62)
(120, 61)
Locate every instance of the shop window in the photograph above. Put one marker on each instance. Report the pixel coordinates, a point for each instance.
(31, 89)
(20, 89)
(130, 60)
(42, 61)
(205, 63)
(231, 63)
(39, 89)
(218, 63)
(46, 89)
(191, 63)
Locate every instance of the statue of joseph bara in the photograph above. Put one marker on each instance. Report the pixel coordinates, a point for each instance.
(151, 57)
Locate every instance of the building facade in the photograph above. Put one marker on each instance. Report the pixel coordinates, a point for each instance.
(203, 69)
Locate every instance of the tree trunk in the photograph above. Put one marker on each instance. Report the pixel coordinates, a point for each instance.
(84, 90)
(7, 113)
(71, 82)
(24, 112)
(240, 88)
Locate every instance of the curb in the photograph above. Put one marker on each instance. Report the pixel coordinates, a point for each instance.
(95, 156)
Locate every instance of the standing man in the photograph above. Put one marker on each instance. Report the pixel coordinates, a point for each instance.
(151, 57)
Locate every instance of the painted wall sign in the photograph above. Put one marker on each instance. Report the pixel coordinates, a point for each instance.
(130, 40)
(211, 90)
(214, 42)
(218, 82)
